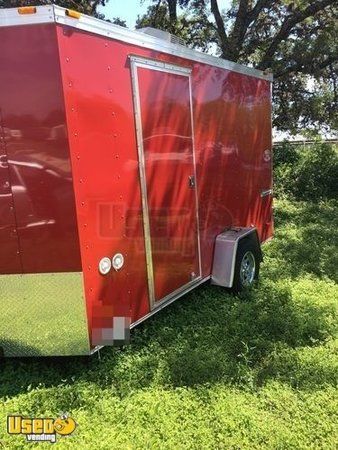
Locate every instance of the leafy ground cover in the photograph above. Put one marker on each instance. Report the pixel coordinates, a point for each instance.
(213, 370)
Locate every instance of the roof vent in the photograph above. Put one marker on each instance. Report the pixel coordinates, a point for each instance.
(164, 35)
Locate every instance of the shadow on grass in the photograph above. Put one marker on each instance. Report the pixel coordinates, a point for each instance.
(17, 348)
(236, 340)
(210, 336)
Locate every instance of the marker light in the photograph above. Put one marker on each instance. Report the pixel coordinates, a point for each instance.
(118, 261)
(104, 266)
(73, 14)
(27, 10)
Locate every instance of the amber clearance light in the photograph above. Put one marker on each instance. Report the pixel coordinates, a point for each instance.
(73, 14)
(27, 10)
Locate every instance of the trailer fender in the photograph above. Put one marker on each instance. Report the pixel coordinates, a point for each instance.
(226, 246)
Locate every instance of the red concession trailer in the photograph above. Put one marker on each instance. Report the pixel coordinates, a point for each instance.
(132, 169)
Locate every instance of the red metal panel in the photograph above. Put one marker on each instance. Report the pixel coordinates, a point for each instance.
(32, 106)
(233, 142)
(10, 262)
(168, 153)
(232, 134)
(100, 119)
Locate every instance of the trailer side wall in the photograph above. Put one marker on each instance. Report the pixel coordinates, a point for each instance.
(231, 114)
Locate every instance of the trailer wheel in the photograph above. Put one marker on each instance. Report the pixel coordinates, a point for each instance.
(246, 266)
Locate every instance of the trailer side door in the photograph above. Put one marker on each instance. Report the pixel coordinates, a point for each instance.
(163, 111)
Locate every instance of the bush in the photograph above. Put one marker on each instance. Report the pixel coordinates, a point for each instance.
(306, 172)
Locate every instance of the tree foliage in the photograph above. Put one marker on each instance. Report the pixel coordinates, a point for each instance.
(296, 40)
(306, 172)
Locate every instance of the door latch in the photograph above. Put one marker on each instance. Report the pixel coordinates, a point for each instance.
(192, 182)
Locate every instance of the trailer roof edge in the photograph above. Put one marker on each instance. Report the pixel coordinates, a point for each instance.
(53, 13)
(12, 16)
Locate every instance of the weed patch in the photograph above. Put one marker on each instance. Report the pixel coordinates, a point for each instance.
(213, 370)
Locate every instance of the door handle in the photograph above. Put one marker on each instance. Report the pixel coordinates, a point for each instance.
(192, 182)
(266, 192)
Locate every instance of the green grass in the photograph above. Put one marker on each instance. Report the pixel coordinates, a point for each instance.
(212, 371)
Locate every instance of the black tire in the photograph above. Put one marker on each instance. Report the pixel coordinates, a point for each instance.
(247, 252)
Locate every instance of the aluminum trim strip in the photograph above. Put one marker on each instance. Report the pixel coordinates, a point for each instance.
(195, 175)
(160, 65)
(177, 291)
(168, 301)
(10, 17)
(143, 182)
(162, 69)
(96, 349)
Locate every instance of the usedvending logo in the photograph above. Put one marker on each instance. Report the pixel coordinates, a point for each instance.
(41, 430)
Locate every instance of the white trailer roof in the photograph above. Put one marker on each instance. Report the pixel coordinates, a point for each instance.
(53, 13)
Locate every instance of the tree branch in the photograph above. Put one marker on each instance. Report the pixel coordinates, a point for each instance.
(260, 5)
(287, 26)
(157, 8)
(172, 6)
(327, 62)
(244, 18)
(241, 24)
(309, 67)
(94, 5)
(220, 28)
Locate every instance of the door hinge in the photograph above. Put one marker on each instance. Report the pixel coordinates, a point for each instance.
(192, 182)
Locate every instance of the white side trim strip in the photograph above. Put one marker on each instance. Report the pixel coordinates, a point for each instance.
(44, 14)
(159, 65)
(11, 17)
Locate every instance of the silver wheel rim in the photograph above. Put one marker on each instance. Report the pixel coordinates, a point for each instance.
(247, 269)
